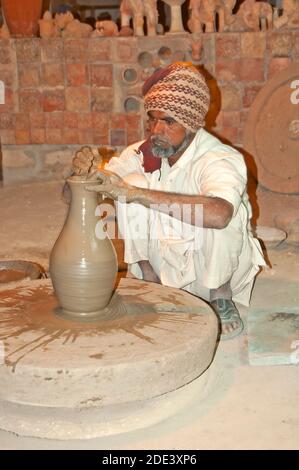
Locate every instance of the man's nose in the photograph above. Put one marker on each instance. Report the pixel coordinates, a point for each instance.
(158, 126)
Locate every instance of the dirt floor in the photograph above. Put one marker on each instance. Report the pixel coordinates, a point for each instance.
(245, 406)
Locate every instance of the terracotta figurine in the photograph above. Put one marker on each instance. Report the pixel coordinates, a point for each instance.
(138, 9)
(203, 15)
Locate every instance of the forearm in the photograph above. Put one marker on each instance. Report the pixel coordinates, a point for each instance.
(216, 212)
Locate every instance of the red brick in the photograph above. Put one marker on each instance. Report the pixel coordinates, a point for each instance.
(38, 136)
(7, 136)
(77, 74)
(54, 120)
(208, 44)
(280, 44)
(37, 120)
(85, 121)
(100, 121)
(101, 137)
(101, 99)
(99, 49)
(7, 121)
(230, 134)
(252, 70)
(76, 50)
(7, 74)
(296, 46)
(22, 137)
(230, 118)
(22, 122)
(28, 50)
(85, 136)
(52, 75)
(70, 136)
(52, 49)
(230, 98)
(101, 75)
(277, 64)
(249, 95)
(30, 101)
(53, 100)
(29, 77)
(53, 136)
(133, 136)
(10, 101)
(77, 99)
(133, 120)
(253, 44)
(117, 121)
(228, 45)
(70, 120)
(118, 137)
(244, 117)
(227, 70)
(5, 51)
(133, 128)
(126, 50)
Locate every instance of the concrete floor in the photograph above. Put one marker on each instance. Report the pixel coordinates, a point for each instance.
(244, 407)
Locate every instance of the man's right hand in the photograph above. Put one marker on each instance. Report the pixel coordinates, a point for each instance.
(85, 161)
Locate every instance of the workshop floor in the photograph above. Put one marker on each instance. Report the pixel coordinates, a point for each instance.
(246, 407)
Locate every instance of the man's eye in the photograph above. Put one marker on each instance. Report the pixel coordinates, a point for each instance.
(170, 122)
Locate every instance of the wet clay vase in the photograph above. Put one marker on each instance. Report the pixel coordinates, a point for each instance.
(83, 267)
(22, 16)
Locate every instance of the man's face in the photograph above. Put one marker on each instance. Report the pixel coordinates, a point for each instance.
(167, 136)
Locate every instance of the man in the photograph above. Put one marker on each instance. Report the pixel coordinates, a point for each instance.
(182, 169)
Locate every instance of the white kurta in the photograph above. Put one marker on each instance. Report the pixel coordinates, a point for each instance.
(182, 255)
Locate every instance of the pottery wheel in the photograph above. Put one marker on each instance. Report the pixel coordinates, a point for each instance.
(271, 134)
(63, 379)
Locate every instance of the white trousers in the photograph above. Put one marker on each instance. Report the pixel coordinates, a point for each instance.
(188, 257)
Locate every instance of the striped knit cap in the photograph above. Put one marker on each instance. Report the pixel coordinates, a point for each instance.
(180, 91)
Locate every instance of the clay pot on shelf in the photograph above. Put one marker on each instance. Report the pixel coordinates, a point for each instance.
(22, 16)
(83, 266)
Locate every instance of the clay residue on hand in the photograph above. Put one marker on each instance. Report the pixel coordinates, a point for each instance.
(88, 160)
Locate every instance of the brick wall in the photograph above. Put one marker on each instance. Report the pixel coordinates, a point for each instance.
(61, 94)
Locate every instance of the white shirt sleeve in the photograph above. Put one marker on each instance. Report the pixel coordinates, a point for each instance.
(129, 161)
(225, 177)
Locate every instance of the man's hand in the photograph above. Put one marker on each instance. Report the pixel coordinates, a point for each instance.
(112, 186)
(86, 161)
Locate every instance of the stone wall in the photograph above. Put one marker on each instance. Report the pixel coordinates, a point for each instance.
(61, 94)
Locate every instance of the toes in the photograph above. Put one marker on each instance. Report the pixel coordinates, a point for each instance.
(230, 327)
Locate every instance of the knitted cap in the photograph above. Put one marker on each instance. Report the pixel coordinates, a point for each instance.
(180, 91)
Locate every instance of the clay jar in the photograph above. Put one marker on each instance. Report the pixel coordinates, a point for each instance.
(83, 267)
(22, 16)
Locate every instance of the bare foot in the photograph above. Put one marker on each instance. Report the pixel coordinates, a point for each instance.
(148, 274)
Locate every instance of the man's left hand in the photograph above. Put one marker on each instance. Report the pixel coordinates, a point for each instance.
(112, 186)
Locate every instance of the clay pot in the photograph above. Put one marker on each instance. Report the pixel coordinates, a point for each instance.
(83, 267)
(22, 16)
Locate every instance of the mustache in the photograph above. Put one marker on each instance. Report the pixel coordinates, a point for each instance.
(156, 139)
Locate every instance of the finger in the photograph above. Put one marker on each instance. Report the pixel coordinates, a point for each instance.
(92, 175)
(110, 176)
(99, 188)
(87, 151)
(83, 163)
